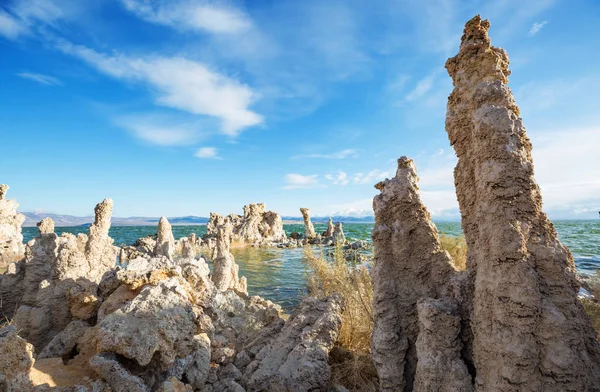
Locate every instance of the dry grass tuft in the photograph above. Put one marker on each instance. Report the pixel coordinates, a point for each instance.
(457, 248)
(351, 364)
(592, 305)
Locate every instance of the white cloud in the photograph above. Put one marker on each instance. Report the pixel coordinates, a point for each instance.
(422, 88)
(31, 11)
(537, 26)
(206, 152)
(566, 168)
(40, 78)
(334, 155)
(27, 15)
(11, 27)
(372, 177)
(191, 15)
(357, 208)
(160, 130)
(180, 84)
(295, 181)
(338, 179)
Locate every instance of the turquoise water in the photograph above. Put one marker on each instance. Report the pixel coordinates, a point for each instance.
(280, 274)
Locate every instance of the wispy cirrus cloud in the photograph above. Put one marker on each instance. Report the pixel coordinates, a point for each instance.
(161, 130)
(295, 181)
(369, 178)
(40, 78)
(207, 153)
(333, 155)
(340, 178)
(191, 15)
(181, 84)
(537, 27)
(11, 27)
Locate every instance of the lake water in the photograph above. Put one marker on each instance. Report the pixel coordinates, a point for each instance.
(280, 274)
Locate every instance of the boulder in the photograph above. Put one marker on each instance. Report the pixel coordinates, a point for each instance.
(297, 359)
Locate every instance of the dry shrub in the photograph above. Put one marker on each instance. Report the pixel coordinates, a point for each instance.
(351, 362)
(457, 248)
(591, 305)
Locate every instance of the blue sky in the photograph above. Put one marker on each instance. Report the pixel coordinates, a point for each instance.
(183, 107)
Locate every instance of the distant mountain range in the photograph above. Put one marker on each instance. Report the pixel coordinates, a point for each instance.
(32, 218)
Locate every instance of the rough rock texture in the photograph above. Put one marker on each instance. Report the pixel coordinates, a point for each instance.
(46, 226)
(530, 331)
(297, 359)
(225, 272)
(11, 239)
(99, 251)
(159, 320)
(440, 367)
(330, 229)
(16, 360)
(408, 264)
(309, 230)
(338, 234)
(256, 227)
(63, 343)
(165, 243)
(58, 279)
(119, 379)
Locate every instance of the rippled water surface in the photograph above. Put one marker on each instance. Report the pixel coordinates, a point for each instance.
(280, 274)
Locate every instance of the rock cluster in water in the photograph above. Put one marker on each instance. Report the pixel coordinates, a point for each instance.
(256, 227)
(512, 320)
(160, 322)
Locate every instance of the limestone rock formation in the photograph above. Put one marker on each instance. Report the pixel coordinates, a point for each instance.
(225, 272)
(256, 227)
(440, 367)
(512, 320)
(58, 279)
(11, 239)
(338, 234)
(99, 249)
(46, 226)
(165, 243)
(529, 329)
(309, 230)
(119, 379)
(408, 264)
(16, 360)
(297, 360)
(330, 229)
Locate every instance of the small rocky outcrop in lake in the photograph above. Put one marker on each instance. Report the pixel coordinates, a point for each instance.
(165, 243)
(11, 239)
(512, 318)
(409, 264)
(256, 227)
(330, 229)
(338, 234)
(309, 230)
